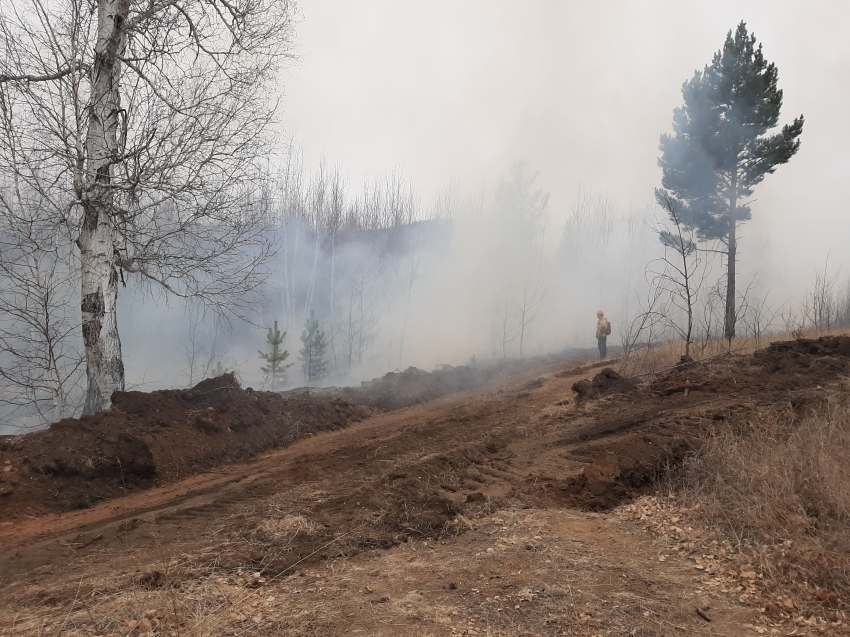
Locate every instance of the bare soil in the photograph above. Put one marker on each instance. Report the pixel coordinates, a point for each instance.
(152, 439)
(497, 510)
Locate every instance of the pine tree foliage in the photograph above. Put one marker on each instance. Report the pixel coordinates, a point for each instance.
(314, 353)
(720, 148)
(275, 357)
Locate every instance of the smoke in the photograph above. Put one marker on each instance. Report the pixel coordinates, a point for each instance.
(489, 183)
(395, 281)
(580, 90)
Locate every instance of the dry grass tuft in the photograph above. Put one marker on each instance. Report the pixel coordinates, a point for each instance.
(781, 489)
(285, 527)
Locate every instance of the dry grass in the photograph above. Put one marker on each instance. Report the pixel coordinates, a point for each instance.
(519, 573)
(780, 488)
(184, 595)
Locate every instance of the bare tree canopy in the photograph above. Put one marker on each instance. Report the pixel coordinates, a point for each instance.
(40, 353)
(139, 128)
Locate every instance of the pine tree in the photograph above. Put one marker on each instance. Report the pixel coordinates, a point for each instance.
(720, 148)
(275, 357)
(314, 359)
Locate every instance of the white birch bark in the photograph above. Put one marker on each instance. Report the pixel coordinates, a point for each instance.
(162, 191)
(97, 241)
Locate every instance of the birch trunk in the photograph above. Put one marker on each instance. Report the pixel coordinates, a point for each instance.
(308, 302)
(332, 321)
(97, 241)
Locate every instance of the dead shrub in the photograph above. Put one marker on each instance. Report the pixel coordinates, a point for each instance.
(781, 488)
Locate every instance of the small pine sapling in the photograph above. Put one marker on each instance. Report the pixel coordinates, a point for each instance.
(275, 357)
(314, 358)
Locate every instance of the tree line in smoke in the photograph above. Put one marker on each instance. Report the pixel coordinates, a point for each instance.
(362, 266)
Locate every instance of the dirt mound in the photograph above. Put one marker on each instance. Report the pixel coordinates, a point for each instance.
(634, 433)
(414, 386)
(629, 432)
(828, 353)
(628, 466)
(151, 438)
(605, 382)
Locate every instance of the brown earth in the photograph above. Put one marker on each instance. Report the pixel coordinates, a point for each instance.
(152, 439)
(492, 486)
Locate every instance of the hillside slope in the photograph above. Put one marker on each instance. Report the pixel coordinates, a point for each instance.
(498, 511)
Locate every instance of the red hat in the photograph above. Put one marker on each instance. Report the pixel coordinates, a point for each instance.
(599, 312)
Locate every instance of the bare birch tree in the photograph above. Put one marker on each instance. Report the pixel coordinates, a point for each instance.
(529, 302)
(140, 123)
(408, 272)
(819, 304)
(203, 348)
(680, 271)
(357, 313)
(503, 326)
(334, 224)
(40, 360)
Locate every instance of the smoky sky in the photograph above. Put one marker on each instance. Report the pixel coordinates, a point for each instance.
(460, 90)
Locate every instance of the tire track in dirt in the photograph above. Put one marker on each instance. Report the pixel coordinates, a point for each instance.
(362, 460)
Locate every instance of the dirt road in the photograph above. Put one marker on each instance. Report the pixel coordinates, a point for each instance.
(491, 510)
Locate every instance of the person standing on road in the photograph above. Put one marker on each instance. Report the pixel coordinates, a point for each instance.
(603, 329)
